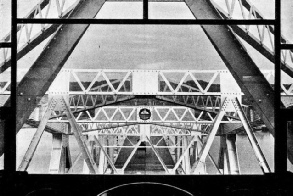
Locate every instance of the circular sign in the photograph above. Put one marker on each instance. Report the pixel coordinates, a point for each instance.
(144, 114)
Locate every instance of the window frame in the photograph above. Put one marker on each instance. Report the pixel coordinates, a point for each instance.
(280, 150)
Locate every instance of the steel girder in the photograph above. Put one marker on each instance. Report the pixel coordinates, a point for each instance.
(244, 70)
(240, 64)
(45, 69)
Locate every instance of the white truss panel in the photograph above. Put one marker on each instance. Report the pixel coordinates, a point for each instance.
(234, 9)
(121, 82)
(229, 88)
(60, 85)
(129, 114)
(145, 82)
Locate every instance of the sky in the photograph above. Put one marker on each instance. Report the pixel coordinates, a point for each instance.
(147, 46)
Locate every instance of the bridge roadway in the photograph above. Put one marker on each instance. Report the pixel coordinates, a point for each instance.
(144, 161)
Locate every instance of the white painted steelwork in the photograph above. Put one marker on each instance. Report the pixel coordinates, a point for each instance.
(120, 82)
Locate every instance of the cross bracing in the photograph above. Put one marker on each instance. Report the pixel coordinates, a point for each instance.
(124, 134)
(120, 82)
(169, 87)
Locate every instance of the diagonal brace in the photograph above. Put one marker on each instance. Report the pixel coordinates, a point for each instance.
(131, 155)
(80, 138)
(252, 139)
(37, 137)
(210, 156)
(184, 153)
(157, 154)
(107, 156)
(212, 133)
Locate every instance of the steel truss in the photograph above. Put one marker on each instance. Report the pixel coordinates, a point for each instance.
(166, 87)
(100, 149)
(196, 167)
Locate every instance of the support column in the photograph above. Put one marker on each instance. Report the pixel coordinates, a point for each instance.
(201, 168)
(60, 156)
(186, 160)
(182, 157)
(223, 161)
(232, 154)
(66, 156)
(193, 153)
(145, 131)
(90, 145)
(172, 142)
(178, 145)
(102, 159)
(111, 149)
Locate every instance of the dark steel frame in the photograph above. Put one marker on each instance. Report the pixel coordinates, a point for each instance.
(21, 183)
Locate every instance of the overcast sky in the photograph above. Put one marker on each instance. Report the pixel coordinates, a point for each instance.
(148, 46)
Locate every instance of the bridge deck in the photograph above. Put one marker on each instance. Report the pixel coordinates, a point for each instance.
(144, 160)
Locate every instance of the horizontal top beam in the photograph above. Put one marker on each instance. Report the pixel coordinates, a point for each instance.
(134, 82)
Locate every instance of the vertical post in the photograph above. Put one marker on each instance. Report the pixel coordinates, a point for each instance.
(178, 144)
(232, 154)
(111, 149)
(182, 149)
(186, 156)
(9, 122)
(201, 167)
(65, 162)
(56, 153)
(280, 136)
(91, 150)
(145, 131)
(97, 152)
(145, 9)
(223, 161)
(102, 159)
(194, 154)
(172, 150)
